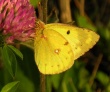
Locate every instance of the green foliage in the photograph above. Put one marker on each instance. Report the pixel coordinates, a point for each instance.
(73, 80)
(9, 60)
(10, 87)
(26, 85)
(16, 51)
(82, 22)
(103, 78)
(9, 56)
(35, 2)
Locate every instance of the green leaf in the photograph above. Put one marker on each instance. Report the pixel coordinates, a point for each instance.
(34, 2)
(108, 88)
(29, 44)
(83, 22)
(9, 59)
(26, 85)
(10, 87)
(83, 78)
(104, 33)
(16, 51)
(103, 78)
(56, 80)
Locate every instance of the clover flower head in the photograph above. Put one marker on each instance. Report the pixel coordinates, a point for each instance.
(17, 20)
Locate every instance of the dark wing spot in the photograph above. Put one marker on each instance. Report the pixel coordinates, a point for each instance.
(88, 30)
(58, 65)
(68, 32)
(69, 52)
(66, 43)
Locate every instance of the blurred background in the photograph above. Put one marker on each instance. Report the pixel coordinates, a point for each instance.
(91, 72)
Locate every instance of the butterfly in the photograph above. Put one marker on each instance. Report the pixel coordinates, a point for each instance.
(57, 45)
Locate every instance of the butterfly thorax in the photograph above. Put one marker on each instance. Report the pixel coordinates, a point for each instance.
(40, 26)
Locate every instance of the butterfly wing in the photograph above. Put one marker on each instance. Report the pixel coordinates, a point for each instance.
(53, 53)
(80, 39)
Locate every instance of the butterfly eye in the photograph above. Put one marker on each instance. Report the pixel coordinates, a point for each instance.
(68, 32)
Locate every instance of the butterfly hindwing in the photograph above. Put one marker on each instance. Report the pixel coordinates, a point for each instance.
(53, 53)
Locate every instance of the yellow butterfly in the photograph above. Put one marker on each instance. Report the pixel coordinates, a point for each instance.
(57, 45)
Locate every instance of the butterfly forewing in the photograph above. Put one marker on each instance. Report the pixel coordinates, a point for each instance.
(80, 39)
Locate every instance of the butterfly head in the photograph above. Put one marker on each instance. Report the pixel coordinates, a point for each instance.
(39, 25)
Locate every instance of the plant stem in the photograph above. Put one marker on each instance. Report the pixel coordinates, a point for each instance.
(42, 83)
(95, 69)
(42, 76)
(44, 4)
